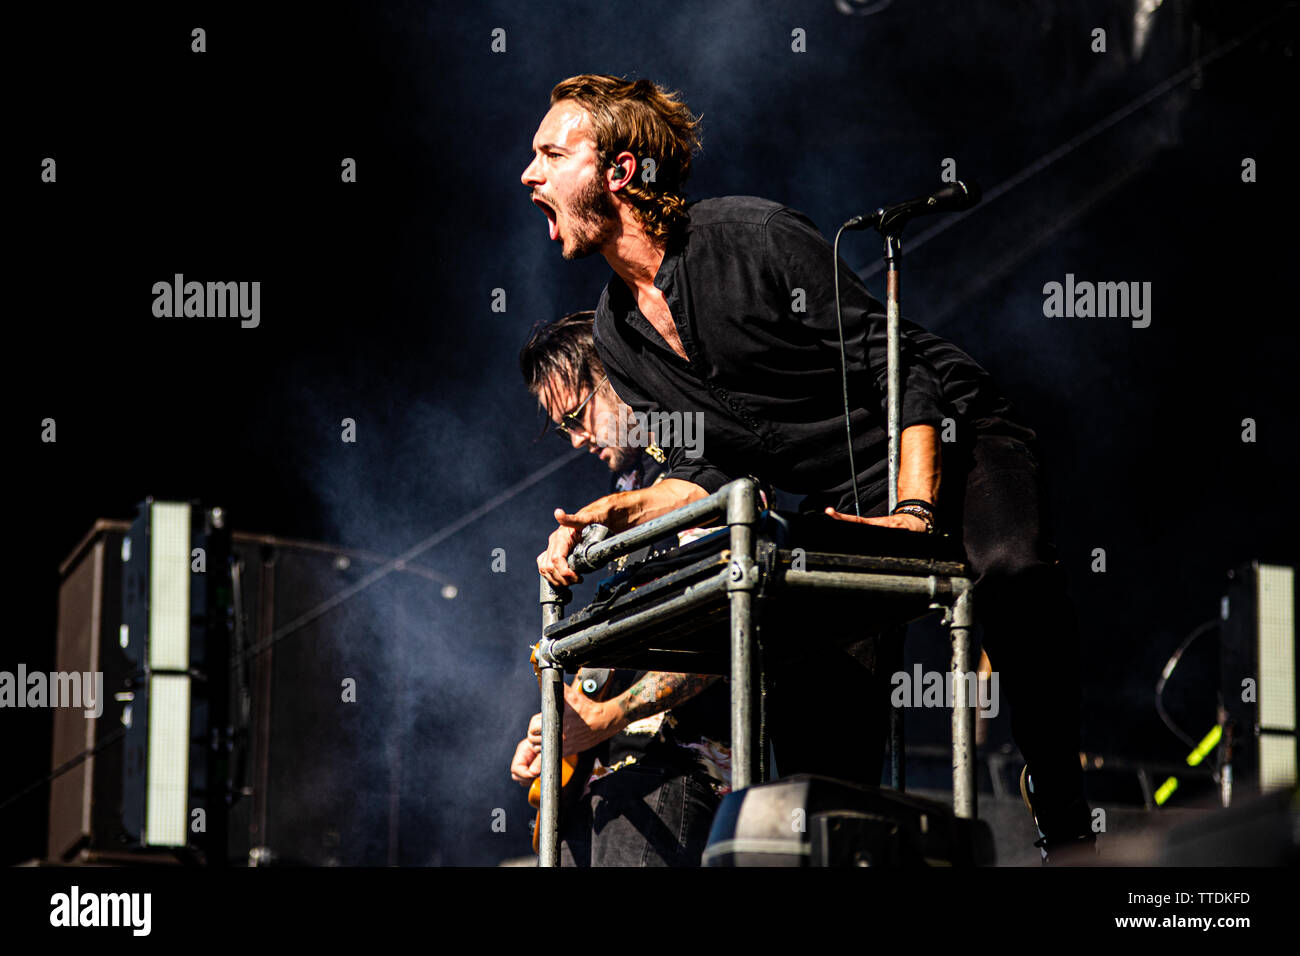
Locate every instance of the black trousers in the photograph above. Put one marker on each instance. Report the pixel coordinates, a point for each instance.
(1029, 623)
(643, 815)
(837, 723)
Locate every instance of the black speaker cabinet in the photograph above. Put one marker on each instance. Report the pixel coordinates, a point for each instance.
(314, 707)
(86, 801)
(311, 769)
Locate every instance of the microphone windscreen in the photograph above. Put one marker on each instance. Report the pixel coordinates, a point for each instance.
(955, 197)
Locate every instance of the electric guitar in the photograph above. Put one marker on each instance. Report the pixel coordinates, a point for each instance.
(575, 769)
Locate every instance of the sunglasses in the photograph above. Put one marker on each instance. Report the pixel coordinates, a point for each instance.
(571, 422)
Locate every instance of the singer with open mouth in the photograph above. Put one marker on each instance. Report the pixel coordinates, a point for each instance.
(726, 307)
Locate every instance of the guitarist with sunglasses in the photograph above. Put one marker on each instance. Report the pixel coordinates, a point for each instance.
(656, 744)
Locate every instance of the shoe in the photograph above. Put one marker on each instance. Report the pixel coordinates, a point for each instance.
(1078, 849)
(1026, 791)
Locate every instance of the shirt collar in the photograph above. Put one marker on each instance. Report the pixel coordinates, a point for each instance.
(674, 250)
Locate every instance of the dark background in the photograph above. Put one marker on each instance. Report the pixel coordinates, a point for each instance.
(376, 305)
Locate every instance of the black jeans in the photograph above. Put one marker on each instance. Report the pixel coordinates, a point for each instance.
(836, 723)
(640, 816)
(1029, 623)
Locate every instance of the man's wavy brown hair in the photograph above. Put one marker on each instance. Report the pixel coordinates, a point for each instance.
(650, 123)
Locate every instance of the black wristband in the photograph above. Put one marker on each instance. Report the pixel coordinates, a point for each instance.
(917, 502)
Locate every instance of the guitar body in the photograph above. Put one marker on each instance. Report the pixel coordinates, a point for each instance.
(575, 770)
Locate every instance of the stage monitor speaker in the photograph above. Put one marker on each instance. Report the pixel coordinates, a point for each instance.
(805, 820)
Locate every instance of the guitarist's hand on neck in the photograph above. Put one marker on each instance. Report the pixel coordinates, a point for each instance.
(527, 762)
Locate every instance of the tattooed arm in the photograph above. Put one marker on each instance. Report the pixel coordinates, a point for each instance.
(658, 691)
(588, 722)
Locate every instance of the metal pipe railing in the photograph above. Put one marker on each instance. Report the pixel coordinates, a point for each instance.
(551, 678)
(610, 636)
(739, 502)
(742, 579)
(593, 554)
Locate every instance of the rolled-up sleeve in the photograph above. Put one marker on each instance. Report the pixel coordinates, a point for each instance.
(800, 259)
(698, 471)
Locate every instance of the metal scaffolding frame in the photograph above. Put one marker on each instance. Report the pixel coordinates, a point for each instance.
(645, 630)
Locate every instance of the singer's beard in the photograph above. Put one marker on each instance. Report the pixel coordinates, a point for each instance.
(594, 217)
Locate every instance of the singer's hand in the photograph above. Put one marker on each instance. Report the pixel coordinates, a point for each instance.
(905, 521)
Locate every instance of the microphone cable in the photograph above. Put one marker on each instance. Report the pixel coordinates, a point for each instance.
(844, 365)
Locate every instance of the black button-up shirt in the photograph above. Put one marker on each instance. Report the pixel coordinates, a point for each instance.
(697, 725)
(751, 292)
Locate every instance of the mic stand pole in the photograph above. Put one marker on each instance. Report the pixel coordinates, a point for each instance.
(893, 253)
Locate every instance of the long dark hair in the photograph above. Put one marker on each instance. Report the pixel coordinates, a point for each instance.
(561, 350)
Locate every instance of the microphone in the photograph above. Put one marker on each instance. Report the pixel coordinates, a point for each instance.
(890, 220)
